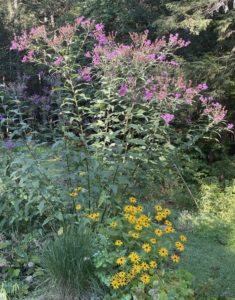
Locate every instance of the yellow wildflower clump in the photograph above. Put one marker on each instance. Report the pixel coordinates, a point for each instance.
(119, 280)
(75, 192)
(94, 216)
(179, 246)
(141, 251)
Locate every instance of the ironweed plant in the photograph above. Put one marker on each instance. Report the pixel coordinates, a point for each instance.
(123, 104)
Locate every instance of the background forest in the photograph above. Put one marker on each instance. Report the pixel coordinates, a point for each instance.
(126, 110)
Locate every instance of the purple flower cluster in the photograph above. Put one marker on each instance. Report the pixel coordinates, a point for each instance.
(167, 118)
(28, 57)
(217, 111)
(58, 61)
(174, 40)
(100, 35)
(9, 145)
(123, 90)
(85, 73)
(2, 118)
(230, 126)
(202, 87)
(84, 23)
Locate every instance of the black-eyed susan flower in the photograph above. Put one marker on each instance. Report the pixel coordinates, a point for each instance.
(137, 268)
(163, 252)
(183, 238)
(121, 261)
(134, 257)
(153, 241)
(115, 284)
(159, 217)
(139, 208)
(118, 243)
(135, 235)
(145, 266)
(94, 216)
(113, 224)
(145, 278)
(167, 211)
(167, 222)
(138, 227)
(158, 207)
(78, 206)
(168, 229)
(158, 232)
(146, 224)
(132, 200)
(146, 247)
(179, 246)
(175, 258)
(153, 264)
(78, 189)
(121, 274)
(73, 194)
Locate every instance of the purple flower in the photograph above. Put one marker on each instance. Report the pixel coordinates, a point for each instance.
(151, 56)
(99, 27)
(161, 57)
(2, 118)
(173, 39)
(177, 95)
(174, 63)
(230, 126)
(122, 90)
(9, 145)
(58, 61)
(202, 87)
(189, 100)
(101, 39)
(167, 118)
(148, 95)
(96, 59)
(14, 45)
(85, 73)
(87, 77)
(79, 20)
(28, 57)
(88, 54)
(37, 98)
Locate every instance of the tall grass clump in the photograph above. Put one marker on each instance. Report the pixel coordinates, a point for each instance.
(68, 263)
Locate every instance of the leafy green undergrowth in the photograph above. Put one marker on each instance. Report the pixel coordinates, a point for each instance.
(210, 257)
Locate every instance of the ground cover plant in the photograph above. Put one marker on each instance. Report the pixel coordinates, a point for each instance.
(114, 123)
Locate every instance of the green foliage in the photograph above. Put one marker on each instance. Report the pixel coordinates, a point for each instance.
(68, 263)
(218, 200)
(20, 264)
(28, 194)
